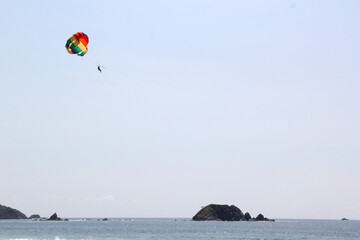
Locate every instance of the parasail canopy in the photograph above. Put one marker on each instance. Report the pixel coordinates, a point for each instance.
(77, 44)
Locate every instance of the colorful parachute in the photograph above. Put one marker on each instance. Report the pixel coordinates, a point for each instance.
(77, 43)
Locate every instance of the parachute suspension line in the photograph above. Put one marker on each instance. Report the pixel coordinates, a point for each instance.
(96, 61)
(77, 45)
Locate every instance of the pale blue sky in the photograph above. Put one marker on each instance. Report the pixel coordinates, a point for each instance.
(252, 103)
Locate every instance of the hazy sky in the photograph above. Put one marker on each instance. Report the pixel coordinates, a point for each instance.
(251, 103)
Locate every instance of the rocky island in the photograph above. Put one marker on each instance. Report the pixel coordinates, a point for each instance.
(217, 212)
(54, 217)
(10, 213)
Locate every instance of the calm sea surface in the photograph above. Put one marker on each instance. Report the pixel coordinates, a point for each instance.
(179, 229)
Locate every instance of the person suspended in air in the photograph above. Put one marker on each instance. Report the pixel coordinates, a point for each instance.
(99, 68)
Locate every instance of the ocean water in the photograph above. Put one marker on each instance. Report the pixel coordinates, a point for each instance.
(178, 229)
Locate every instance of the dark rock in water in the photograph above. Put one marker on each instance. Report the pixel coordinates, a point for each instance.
(344, 219)
(247, 216)
(54, 217)
(260, 217)
(35, 216)
(216, 212)
(105, 219)
(66, 220)
(10, 213)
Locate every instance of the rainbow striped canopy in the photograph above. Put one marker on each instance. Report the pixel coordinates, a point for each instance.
(77, 43)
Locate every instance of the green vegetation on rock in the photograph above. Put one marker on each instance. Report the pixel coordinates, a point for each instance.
(10, 213)
(217, 212)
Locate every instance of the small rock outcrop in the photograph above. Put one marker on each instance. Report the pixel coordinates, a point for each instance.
(247, 216)
(216, 212)
(35, 216)
(10, 213)
(54, 217)
(260, 217)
